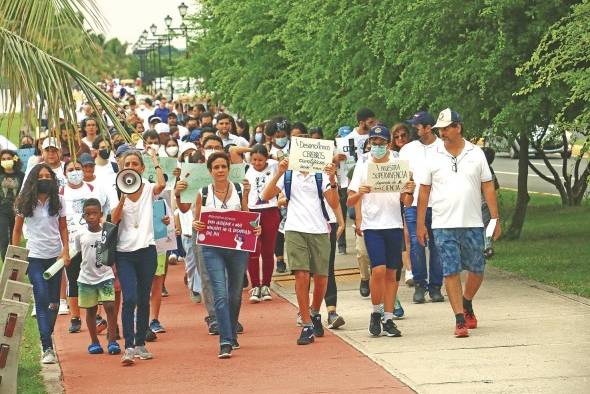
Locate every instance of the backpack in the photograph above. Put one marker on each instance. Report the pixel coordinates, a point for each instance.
(205, 192)
(318, 183)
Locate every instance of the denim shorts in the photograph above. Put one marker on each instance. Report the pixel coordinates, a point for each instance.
(460, 249)
(384, 247)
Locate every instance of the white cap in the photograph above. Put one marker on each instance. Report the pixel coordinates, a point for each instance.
(162, 128)
(50, 142)
(445, 118)
(186, 146)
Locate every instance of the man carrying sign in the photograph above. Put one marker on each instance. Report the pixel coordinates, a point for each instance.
(380, 223)
(307, 238)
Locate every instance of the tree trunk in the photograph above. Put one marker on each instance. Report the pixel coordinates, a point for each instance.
(522, 197)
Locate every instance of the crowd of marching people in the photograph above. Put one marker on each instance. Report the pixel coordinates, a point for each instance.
(62, 197)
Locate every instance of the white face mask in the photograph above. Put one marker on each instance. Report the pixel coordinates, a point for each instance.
(208, 152)
(172, 151)
(75, 177)
(155, 147)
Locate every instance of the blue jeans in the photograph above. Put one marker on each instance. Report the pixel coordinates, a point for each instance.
(226, 268)
(136, 271)
(417, 254)
(46, 293)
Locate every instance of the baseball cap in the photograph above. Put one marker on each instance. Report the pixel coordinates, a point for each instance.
(186, 146)
(85, 159)
(344, 131)
(422, 117)
(172, 115)
(162, 128)
(50, 142)
(122, 149)
(381, 132)
(154, 118)
(446, 117)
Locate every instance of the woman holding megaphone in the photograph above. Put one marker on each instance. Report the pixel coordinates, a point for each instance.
(136, 250)
(40, 207)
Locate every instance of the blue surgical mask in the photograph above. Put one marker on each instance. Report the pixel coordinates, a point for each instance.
(281, 142)
(258, 137)
(75, 177)
(378, 151)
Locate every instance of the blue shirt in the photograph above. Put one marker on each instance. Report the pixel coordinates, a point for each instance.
(162, 114)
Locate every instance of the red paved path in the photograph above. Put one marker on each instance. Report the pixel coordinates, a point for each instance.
(185, 357)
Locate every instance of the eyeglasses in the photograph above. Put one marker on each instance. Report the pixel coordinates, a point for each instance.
(454, 161)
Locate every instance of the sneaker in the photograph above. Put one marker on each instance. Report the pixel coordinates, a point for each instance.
(375, 324)
(172, 259)
(470, 320)
(156, 327)
(114, 348)
(299, 320)
(95, 348)
(165, 291)
(409, 278)
(128, 356)
(234, 344)
(180, 260)
(419, 294)
(364, 288)
(101, 325)
(49, 357)
(341, 250)
(435, 294)
(239, 328)
(461, 330)
(212, 326)
(318, 328)
(75, 325)
(335, 320)
(225, 351)
(196, 297)
(254, 295)
(281, 266)
(142, 353)
(63, 307)
(306, 336)
(150, 336)
(398, 311)
(265, 293)
(390, 329)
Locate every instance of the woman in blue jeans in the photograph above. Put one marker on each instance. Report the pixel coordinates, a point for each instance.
(226, 267)
(136, 255)
(42, 210)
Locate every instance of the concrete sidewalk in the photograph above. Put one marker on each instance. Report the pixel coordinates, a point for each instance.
(531, 338)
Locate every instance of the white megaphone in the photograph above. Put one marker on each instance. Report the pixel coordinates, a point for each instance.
(128, 181)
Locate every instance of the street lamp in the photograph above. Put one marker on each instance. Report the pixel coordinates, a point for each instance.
(168, 21)
(153, 28)
(182, 9)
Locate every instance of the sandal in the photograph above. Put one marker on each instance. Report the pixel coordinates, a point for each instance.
(95, 348)
(114, 348)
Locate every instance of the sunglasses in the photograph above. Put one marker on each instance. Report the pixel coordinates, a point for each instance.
(454, 164)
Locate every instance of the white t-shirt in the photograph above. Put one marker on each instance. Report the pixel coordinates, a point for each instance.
(456, 196)
(379, 210)
(415, 152)
(186, 221)
(87, 142)
(234, 139)
(233, 203)
(274, 149)
(106, 178)
(74, 200)
(136, 228)
(42, 231)
(258, 181)
(104, 191)
(359, 141)
(305, 210)
(91, 273)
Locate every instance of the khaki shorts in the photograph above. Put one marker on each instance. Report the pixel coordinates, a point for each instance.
(308, 252)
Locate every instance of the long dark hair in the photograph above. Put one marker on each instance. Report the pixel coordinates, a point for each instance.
(17, 163)
(27, 199)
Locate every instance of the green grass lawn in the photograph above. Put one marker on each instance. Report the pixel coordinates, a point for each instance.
(554, 247)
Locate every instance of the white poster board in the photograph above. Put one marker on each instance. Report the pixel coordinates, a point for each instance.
(310, 155)
(388, 177)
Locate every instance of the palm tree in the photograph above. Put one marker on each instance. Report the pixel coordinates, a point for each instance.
(34, 40)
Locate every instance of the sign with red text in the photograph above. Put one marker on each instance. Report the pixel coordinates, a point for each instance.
(229, 229)
(310, 155)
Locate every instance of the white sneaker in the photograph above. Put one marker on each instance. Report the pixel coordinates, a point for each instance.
(172, 259)
(255, 295)
(63, 308)
(142, 353)
(265, 293)
(34, 311)
(409, 278)
(49, 357)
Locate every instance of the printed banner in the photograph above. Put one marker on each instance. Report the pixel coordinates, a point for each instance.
(388, 177)
(229, 229)
(310, 155)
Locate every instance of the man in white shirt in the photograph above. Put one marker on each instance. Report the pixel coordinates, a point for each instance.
(426, 280)
(223, 130)
(454, 178)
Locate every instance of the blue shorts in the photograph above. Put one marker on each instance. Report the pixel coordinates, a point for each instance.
(384, 247)
(460, 249)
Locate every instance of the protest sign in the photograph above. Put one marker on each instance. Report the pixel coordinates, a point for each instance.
(237, 172)
(168, 165)
(196, 176)
(310, 155)
(24, 155)
(159, 213)
(388, 177)
(229, 229)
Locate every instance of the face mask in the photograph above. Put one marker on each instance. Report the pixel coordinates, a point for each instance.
(281, 142)
(26, 146)
(208, 152)
(172, 151)
(75, 177)
(43, 186)
(378, 151)
(104, 154)
(155, 147)
(258, 137)
(7, 164)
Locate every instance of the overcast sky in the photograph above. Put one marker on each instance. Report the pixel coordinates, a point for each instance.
(126, 19)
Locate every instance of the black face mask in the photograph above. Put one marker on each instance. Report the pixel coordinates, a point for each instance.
(116, 146)
(104, 154)
(43, 186)
(26, 146)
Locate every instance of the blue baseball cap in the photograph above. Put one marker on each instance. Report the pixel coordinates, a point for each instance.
(421, 118)
(122, 149)
(381, 132)
(85, 159)
(195, 135)
(446, 117)
(344, 131)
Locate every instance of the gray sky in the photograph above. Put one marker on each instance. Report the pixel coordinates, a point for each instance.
(126, 19)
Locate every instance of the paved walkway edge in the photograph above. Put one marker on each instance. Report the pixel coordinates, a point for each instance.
(52, 377)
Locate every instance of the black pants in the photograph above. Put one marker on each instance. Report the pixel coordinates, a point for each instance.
(331, 297)
(280, 245)
(343, 195)
(6, 227)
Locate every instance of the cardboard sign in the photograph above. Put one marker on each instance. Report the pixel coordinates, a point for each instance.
(310, 155)
(229, 229)
(197, 176)
(168, 164)
(388, 177)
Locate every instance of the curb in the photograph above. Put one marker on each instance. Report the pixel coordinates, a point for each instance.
(52, 377)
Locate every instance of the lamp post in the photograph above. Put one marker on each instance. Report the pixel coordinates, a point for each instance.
(154, 29)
